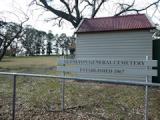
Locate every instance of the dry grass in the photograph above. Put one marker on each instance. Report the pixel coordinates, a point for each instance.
(83, 100)
(30, 62)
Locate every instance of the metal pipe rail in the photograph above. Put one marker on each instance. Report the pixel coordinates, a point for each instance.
(132, 83)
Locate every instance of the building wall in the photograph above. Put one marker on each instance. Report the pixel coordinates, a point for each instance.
(131, 45)
(136, 45)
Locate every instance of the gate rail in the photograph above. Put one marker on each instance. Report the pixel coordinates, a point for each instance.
(63, 78)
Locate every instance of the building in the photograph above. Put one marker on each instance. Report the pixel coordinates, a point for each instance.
(120, 37)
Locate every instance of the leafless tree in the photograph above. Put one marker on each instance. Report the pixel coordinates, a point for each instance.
(9, 31)
(71, 10)
(74, 11)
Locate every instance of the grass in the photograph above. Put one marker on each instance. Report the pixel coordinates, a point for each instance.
(18, 63)
(83, 100)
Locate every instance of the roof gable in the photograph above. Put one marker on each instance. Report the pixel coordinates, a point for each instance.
(116, 23)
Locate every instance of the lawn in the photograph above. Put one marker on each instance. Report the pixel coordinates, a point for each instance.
(40, 98)
(28, 63)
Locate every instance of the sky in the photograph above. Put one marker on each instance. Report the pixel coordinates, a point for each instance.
(13, 10)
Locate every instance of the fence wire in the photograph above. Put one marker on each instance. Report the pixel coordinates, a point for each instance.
(40, 99)
(5, 98)
(37, 97)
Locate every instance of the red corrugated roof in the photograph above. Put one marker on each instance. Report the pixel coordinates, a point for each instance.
(116, 23)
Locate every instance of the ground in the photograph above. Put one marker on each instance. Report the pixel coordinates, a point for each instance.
(40, 98)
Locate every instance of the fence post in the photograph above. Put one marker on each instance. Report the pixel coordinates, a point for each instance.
(14, 97)
(146, 97)
(62, 90)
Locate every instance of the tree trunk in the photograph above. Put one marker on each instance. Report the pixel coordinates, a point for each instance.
(66, 51)
(62, 51)
(2, 54)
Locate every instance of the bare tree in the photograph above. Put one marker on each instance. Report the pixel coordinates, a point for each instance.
(74, 11)
(9, 31)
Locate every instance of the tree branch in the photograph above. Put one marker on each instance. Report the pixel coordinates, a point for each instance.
(59, 13)
(89, 3)
(129, 8)
(77, 10)
(97, 9)
(67, 6)
(125, 9)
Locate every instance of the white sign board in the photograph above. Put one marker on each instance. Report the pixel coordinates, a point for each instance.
(109, 62)
(109, 67)
(116, 71)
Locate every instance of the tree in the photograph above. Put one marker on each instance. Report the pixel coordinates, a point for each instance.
(33, 40)
(49, 47)
(50, 38)
(39, 42)
(9, 32)
(65, 43)
(28, 40)
(72, 45)
(74, 11)
(56, 45)
(62, 42)
(14, 49)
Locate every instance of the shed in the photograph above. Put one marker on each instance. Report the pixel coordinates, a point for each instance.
(119, 37)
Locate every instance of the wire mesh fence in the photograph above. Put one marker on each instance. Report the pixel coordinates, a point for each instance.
(40, 98)
(5, 98)
(154, 103)
(102, 101)
(36, 96)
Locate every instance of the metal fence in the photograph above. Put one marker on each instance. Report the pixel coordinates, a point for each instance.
(17, 94)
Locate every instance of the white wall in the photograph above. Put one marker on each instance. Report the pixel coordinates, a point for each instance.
(137, 44)
(131, 45)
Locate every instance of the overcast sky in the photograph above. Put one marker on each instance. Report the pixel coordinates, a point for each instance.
(37, 20)
(18, 7)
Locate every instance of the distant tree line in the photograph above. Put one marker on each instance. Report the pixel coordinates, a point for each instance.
(28, 41)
